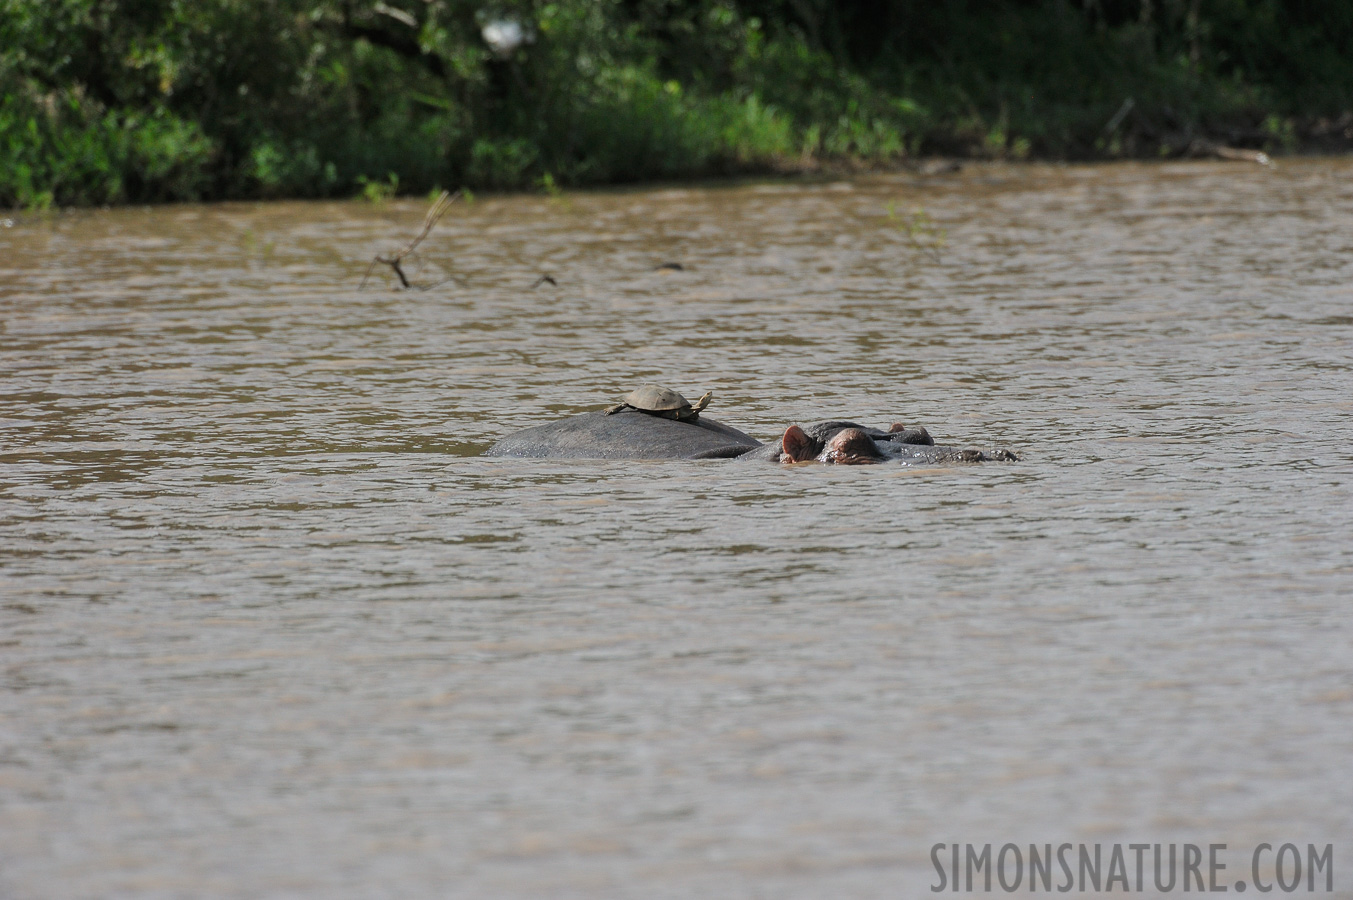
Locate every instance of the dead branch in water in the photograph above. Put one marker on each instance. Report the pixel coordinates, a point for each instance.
(439, 208)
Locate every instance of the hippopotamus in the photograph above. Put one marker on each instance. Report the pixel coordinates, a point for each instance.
(634, 434)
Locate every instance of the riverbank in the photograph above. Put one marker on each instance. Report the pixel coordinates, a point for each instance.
(113, 102)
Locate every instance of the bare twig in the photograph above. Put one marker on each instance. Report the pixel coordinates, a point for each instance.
(439, 208)
(1118, 117)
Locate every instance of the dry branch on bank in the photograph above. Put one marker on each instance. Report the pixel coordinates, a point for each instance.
(1208, 148)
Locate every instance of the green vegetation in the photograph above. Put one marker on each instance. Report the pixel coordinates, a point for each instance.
(919, 228)
(108, 101)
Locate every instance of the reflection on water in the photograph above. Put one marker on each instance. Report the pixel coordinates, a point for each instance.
(272, 628)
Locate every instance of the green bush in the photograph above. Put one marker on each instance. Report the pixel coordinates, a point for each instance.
(110, 101)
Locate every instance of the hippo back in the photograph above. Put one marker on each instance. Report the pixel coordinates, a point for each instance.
(628, 434)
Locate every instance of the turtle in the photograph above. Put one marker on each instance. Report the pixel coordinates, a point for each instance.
(657, 400)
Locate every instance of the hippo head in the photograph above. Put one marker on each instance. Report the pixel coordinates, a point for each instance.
(848, 446)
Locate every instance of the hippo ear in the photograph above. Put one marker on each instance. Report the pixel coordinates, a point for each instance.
(914, 434)
(797, 446)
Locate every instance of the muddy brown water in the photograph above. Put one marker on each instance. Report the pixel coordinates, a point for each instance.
(271, 628)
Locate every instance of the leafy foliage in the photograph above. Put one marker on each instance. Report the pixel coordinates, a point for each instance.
(108, 101)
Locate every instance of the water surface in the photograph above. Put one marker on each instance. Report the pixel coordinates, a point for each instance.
(271, 628)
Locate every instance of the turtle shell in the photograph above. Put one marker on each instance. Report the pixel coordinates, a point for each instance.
(655, 398)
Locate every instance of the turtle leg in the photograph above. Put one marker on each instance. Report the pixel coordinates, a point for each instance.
(612, 410)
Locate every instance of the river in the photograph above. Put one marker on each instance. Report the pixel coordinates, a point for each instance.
(271, 627)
